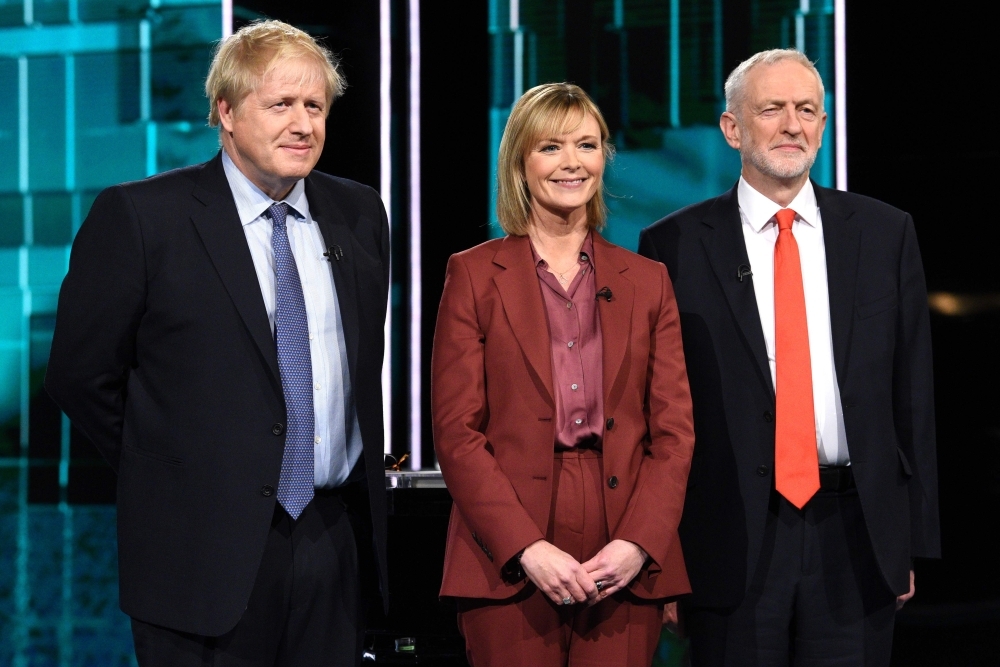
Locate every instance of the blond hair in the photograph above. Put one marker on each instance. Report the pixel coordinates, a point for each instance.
(244, 59)
(543, 111)
(736, 82)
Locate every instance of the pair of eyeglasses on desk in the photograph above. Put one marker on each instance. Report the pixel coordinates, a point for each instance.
(394, 464)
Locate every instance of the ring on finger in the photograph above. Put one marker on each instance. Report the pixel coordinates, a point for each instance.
(567, 600)
(600, 585)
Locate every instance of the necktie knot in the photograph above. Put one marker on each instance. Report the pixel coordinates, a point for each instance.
(785, 218)
(278, 212)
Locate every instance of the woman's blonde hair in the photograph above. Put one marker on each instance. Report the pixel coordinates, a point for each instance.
(244, 59)
(546, 110)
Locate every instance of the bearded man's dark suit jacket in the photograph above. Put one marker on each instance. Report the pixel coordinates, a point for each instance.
(882, 354)
(164, 358)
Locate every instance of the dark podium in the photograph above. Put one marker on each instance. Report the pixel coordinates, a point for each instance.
(420, 629)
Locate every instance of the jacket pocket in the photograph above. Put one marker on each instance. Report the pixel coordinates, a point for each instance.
(162, 458)
(879, 305)
(905, 463)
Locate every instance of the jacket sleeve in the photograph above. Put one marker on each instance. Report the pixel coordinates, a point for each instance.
(654, 510)
(481, 490)
(100, 305)
(913, 399)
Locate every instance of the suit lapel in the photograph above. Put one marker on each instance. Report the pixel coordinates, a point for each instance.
(616, 318)
(727, 251)
(334, 228)
(842, 239)
(218, 225)
(522, 303)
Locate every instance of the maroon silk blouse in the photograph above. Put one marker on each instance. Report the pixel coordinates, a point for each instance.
(577, 355)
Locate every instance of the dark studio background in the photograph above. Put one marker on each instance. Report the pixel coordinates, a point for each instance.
(915, 80)
(916, 76)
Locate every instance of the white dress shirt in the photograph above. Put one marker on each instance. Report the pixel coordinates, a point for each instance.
(337, 435)
(760, 232)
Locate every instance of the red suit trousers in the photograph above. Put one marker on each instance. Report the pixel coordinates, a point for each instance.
(529, 630)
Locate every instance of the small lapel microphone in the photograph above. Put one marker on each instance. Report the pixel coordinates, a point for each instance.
(335, 252)
(743, 272)
(604, 292)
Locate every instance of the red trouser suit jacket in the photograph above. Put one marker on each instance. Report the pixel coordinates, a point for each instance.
(493, 413)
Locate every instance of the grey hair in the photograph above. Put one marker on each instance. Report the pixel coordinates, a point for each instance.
(736, 93)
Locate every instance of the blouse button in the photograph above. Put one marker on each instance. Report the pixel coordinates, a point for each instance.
(574, 386)
(569, 344)
(569, 304)
(578, 422)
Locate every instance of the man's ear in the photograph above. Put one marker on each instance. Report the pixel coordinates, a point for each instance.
(730, 129)
(226, 113)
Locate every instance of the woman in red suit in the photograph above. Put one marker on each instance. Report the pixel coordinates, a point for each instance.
(561, 410)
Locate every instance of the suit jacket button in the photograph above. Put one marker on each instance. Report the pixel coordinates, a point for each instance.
(762, 471)
(278, 429)
(610, 423)
(768, 416)
(613, 482)
(267, 490)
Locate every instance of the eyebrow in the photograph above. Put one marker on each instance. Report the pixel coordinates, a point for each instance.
(779, 102)
(555, 140)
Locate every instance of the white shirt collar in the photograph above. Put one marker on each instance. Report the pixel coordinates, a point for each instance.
(251, 202)
(758, 210)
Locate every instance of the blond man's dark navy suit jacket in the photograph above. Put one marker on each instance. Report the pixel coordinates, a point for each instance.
(164, 358)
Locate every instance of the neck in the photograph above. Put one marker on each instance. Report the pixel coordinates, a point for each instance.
(779, 190)
(276, 189)
(558, 237)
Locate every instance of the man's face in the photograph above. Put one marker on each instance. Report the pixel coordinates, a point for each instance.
(780, 127)
(276, 135)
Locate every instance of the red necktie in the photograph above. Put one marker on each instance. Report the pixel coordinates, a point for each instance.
(796, 462)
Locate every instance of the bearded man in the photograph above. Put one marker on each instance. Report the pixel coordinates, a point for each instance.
(807, 340)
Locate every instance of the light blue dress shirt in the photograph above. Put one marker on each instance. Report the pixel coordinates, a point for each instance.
(338, 437)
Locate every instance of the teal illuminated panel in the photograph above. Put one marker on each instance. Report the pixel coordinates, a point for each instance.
(99, 92)
(656, 69)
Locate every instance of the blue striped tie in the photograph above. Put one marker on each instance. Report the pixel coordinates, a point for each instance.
(295, 486)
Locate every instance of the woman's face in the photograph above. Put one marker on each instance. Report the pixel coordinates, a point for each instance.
(563, 172)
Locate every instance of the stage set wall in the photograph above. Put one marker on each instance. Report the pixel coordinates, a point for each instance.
(103, 91)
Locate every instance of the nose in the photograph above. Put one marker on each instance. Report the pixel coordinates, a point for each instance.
(571, 158)
(792, 124)
(299, 123)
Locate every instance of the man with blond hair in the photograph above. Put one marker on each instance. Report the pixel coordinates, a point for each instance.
(807, 341)
(219, 339)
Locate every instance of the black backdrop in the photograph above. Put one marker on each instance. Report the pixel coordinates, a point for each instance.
(917, 139)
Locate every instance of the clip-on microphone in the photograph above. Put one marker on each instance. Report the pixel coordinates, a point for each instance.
(335, 252)
(603, 292)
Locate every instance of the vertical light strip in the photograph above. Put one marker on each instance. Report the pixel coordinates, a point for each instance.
(840, 89)
(22, 584)
(518, 66)
(22, 124)
(146, 92)
(416, 293)
(70, 101)
(675, 63)
(385, 189)
(227, 18)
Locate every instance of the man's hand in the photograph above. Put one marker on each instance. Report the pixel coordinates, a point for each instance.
(615, 566)
(903, 599)
(557, 574)
(671, 620)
